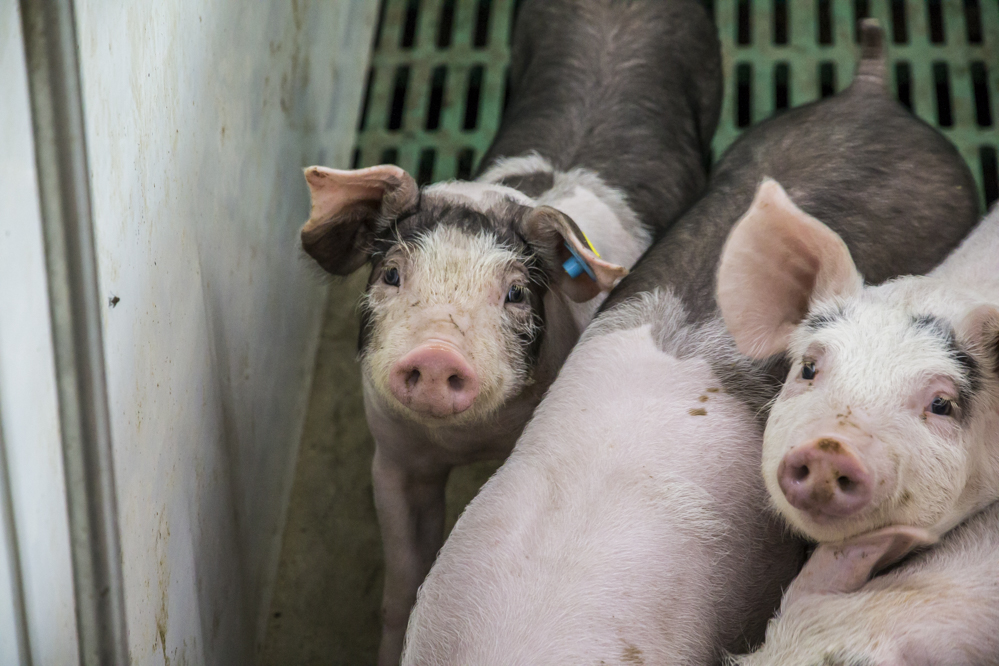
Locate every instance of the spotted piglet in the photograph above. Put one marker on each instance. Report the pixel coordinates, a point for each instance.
(478, 290)
(884, 439)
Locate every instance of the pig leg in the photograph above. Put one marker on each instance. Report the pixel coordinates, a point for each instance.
(410, 508)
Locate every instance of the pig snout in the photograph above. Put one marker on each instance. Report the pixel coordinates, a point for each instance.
(434, 379)
(825, 479)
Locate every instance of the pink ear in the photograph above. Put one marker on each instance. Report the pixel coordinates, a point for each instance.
(776, 261)
(847, 565)
(547, 228)
(346, 206)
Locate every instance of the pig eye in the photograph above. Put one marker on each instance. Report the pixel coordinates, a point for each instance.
(941, 406)
(808, 370)
(391, 276)
(516, 294)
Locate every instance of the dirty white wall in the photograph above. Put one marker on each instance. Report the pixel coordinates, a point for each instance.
(200, 115)
(38, 539)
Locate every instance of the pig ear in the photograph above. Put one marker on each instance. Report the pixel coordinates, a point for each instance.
(347, 207)
(980, 328)
(549, 230)
(776, 261)
(847, 565)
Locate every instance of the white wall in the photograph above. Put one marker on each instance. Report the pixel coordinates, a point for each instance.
(200, 115)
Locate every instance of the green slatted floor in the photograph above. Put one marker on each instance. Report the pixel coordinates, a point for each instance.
(436, 85)
(439, 68)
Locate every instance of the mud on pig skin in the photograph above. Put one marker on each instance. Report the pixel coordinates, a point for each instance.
(630, 524)
(468, 313)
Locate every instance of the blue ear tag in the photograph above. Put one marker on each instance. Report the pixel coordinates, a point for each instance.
(575, 265)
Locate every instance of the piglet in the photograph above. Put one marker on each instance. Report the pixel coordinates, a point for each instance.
(478, 290)
(884, 437)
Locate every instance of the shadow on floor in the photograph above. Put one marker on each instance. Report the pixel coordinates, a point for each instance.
(325, 608)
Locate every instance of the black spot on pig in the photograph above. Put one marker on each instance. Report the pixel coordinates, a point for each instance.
(969, 381)
(819, 320)
(532, 184)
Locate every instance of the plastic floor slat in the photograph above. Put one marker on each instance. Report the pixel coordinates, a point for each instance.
(801, 54)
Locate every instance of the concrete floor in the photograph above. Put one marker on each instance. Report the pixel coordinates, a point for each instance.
(326, 601)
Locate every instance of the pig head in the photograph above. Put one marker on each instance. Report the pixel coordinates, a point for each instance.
(453, 313)
(890, 412)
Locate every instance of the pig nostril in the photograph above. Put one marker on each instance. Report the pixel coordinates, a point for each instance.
(846, 484)
(413, 378)
(456, 383)
(800, 473)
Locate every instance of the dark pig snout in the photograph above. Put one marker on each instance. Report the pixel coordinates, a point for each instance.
(435, 379)
(825, 479)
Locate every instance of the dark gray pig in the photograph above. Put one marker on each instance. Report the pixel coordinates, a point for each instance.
(630, 524)
(469, 311)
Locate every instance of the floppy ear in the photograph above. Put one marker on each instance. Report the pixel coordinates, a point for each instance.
(846, 566)
(549, 230)
(776, 261)
(347, 206)
(980, 328)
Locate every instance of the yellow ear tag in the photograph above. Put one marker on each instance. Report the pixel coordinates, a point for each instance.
(589, 244)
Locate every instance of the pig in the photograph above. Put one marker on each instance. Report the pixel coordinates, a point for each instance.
(884, 438)
(471, 307)
(629, 525)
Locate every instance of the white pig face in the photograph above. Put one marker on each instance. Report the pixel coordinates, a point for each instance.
(464, 296)
(888, 408)
(890, 412)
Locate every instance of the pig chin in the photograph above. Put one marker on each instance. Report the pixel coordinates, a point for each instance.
(824, 528)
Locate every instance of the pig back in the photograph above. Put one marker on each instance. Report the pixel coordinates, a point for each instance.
(630, 89)
(896, 191)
